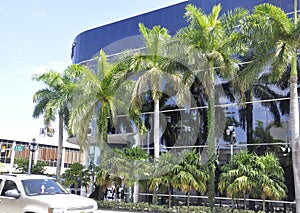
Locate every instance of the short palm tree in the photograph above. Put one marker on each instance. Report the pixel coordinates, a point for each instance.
(55, 99)
(124, 161)
(103, 180)
(258, 176)
(188, 175)
(239, 177)
(271, 178)
(75, 175)
(163, 173)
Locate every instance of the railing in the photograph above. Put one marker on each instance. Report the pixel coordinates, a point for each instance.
(179, 199)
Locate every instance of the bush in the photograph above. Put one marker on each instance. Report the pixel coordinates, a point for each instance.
(146, 207)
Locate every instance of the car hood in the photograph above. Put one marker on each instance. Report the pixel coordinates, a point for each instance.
(66, 201)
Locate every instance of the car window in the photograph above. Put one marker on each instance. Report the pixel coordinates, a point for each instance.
(8, 185)
(42, 186)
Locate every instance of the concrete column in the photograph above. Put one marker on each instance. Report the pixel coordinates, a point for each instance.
(12, 158)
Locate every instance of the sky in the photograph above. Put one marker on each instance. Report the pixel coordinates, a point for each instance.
(36, 36)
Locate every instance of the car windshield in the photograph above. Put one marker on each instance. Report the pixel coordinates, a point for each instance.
(42, 187)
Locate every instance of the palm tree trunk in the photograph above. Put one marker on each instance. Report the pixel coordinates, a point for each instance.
(136, 192)
(154, 197)
(264, 203)
(245, 202)
(211, 138)
(156, 129)
(294, 121)
(170, 197)
(60, 145)
(188, 198)
(249, 119)
(156, 142)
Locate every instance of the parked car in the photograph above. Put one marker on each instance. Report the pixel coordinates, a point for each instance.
(22, 193)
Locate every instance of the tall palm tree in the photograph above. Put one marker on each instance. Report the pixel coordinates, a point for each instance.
(208, 48)
(55, 99)
(274, 38)
(94, 100)
(153, 68)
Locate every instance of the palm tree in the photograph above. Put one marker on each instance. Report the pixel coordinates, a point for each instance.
(274, 38)
(271, 178)
(75, 175)
(163, 173)
(103, 180)
(188, 175)
(248, 173)
(122, 162)
(55, 99)
(208, 49)
(239, 177)
(153, 69)
(262, 135)
(94, 100)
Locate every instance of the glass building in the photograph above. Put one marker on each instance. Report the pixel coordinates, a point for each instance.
(124, 34)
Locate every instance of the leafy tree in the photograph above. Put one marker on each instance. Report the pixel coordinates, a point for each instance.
(75, 175)
(209, 50)
(54, 100)
(22, 165)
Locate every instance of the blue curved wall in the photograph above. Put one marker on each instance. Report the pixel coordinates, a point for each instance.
(88, 43)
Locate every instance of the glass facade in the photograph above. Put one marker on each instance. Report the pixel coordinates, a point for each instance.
(115, 37)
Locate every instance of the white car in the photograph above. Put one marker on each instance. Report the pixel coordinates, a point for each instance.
(21, 193)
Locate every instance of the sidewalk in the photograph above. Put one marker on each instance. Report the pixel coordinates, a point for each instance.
(113, 211)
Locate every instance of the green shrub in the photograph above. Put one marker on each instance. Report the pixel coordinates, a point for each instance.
(146, 207)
